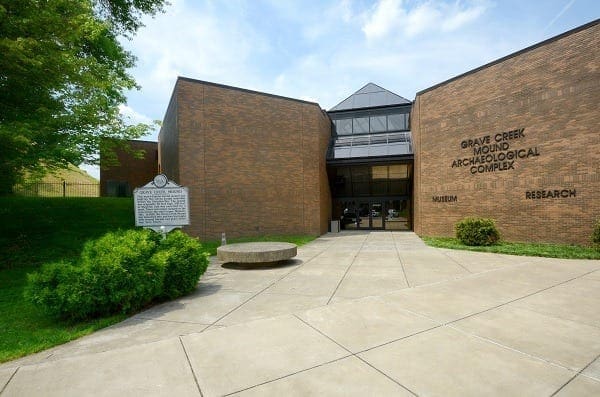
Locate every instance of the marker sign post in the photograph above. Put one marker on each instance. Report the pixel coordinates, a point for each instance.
(161, 205)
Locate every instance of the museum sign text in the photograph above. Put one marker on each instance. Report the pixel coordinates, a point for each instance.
(491, 153)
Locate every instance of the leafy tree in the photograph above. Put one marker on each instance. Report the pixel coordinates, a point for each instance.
(63, 75)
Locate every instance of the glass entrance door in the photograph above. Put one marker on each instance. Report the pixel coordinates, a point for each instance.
(363, 219)
(370, 215)
(397, 215)
(377, 216)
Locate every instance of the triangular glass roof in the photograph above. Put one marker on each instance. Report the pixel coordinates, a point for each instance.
(371, 95)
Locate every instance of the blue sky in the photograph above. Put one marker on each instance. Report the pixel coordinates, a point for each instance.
(323, 51)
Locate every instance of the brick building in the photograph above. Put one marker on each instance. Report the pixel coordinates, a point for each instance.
(254, 163)
(517, 140)
(131, 171)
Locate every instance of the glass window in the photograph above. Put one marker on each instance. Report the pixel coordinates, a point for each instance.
(360, 174)
(397, 215)
(342, 182)
(399, 171)
(343, 126)
(397, 122)
(380, 188)
(361, 125)
(399, 187)
(398, 137)
(361, 188)
(380, 138)
(361, 101)
(378, 124)
(378, 150)
(344, 141)
(343, 174)
(360, 151)
(341, 152)
(380, 171)
(399, 148)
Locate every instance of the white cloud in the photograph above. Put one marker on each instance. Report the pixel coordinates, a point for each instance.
(461, 17)
(319, 53)
(383, 18)
(389, 17)
(196, 46)
(344, 9)
(424, 17)
(133, 117)
(208, 44)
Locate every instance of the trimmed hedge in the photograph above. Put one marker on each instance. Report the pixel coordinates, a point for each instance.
(477, 232)
(184, 263)
(122, 276)
(120, 272)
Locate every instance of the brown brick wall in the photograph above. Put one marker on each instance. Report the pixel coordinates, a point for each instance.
(168, 150)
(553, 92)
(254, 163)
(136, 172)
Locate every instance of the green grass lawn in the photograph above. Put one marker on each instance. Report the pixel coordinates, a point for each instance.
(526, 249)
(39, 230)
(35, 231)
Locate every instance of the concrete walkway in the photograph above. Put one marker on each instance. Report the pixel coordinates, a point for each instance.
(356, 313)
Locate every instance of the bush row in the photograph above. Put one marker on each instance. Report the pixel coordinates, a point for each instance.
(120, 272)
(480, 231)
(477, 231)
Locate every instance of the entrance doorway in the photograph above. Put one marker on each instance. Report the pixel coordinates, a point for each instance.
(375, 214)
(372, 196)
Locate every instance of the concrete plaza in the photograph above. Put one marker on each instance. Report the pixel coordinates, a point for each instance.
(355, 313)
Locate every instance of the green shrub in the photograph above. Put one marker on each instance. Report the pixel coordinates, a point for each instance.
(185, 262)
(122, 276)
(477, 231)
(58, 288)
(114, 274)
(120, 272)
(596, 234)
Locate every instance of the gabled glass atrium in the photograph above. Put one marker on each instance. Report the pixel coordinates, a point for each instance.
(369, 160)
(372, 122)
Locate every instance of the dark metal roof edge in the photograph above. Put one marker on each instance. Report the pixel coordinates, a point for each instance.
(371, 108)
(370, 82)
(370, 160)
(142, 140)
(512, 55)
(130, 140)
(230, 87)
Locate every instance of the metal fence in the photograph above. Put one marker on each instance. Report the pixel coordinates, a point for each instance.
(58, 189)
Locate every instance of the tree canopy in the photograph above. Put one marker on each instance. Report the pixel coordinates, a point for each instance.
(63, 75)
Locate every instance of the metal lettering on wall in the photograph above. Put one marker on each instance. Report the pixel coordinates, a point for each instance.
(444, 199)
(491, 153)
(548, 194)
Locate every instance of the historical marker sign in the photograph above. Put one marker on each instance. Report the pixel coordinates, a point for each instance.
(161, 205)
